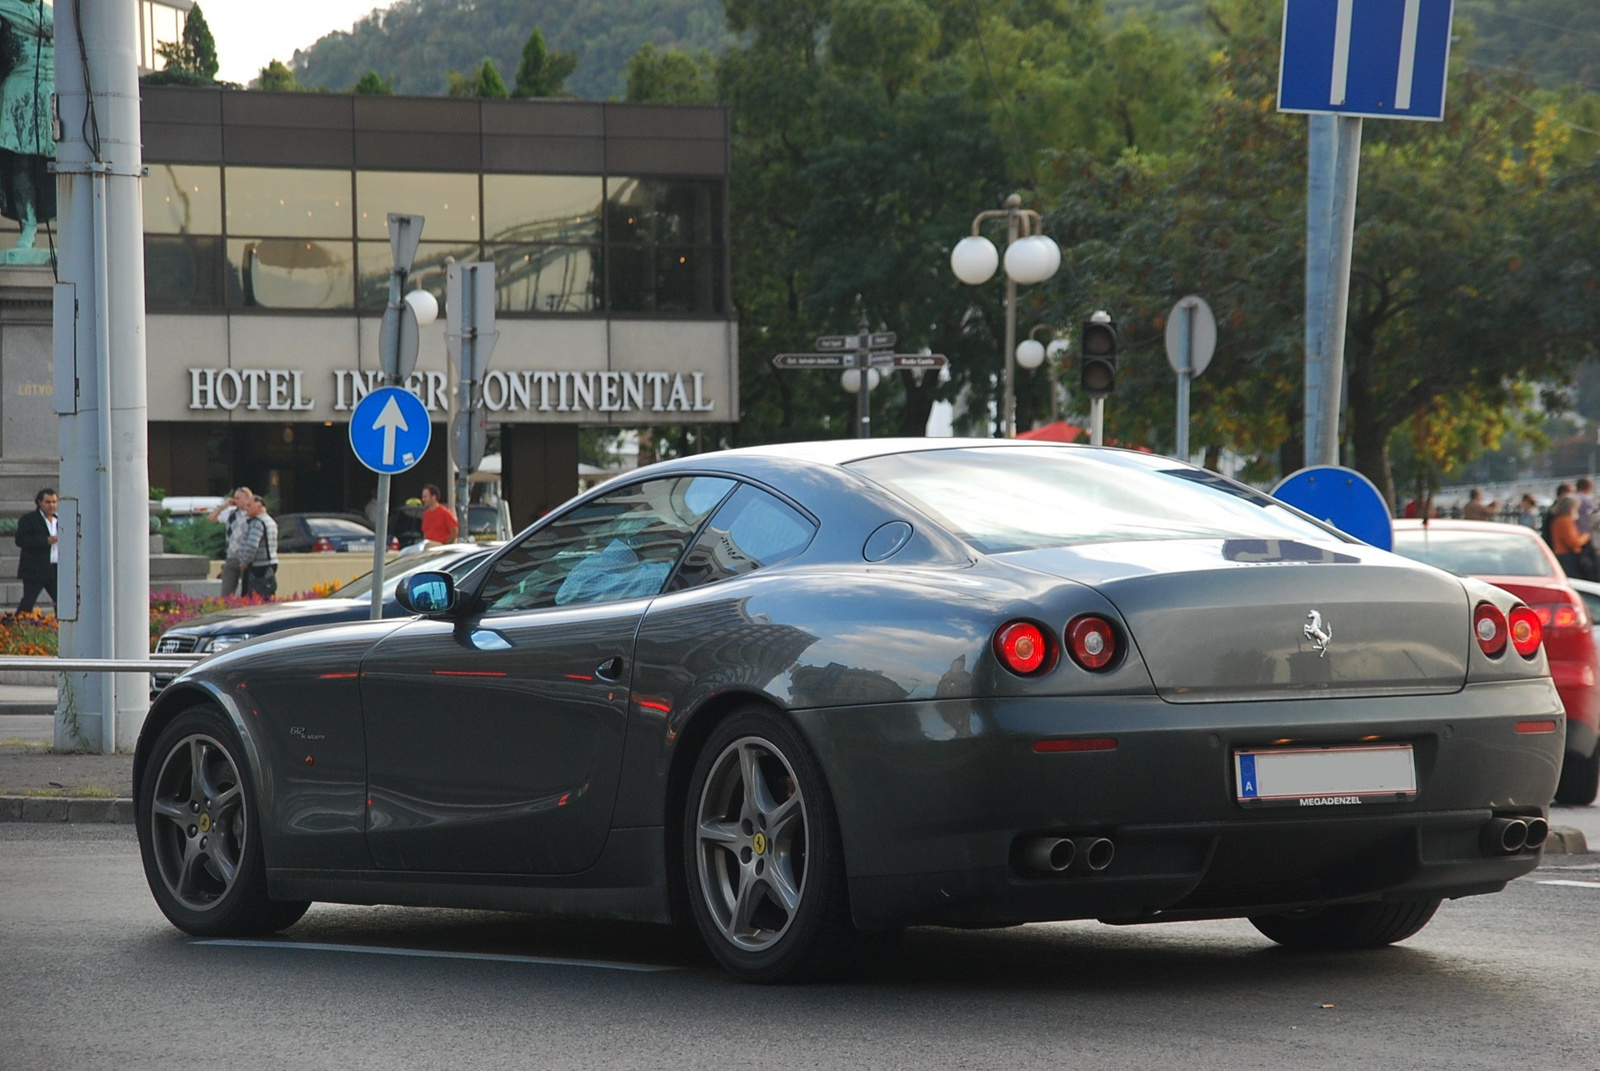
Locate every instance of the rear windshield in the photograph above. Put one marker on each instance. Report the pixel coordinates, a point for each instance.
(1513, 553)
(335, 526)
(1006, 499)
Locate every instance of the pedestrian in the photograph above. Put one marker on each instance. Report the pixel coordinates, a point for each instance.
(438, 524)
(1528, 512)
(39, 534)
(1476, 508)
(1562, 491)
(1585, 494)
(1565, 539)
(233, 513)
(260, 569)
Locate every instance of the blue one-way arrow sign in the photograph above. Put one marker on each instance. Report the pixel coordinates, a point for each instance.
(1383, 59)
(389, 430)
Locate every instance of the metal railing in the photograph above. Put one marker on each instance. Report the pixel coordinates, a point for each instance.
(153, 664)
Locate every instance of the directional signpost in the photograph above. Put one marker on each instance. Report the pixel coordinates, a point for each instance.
(1342, 60)
(863, 351)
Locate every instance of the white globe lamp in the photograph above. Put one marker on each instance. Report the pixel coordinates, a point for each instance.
(1032, 260)
(425, 305)
(850, 380)
(974, 260)
(1057, 349)
(1030, 354)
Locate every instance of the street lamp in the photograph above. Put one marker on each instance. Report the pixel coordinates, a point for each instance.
(1030, 257)
(1031, 353)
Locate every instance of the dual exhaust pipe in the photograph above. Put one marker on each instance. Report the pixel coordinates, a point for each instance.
(1055, 855)
(1510, 835)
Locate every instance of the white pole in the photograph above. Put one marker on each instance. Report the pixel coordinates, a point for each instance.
(1186, 363)
(1322, 146)
(1097, 421)
(1344, 229)
(104, 443)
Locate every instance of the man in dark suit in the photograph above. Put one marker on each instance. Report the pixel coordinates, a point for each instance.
(38, 537)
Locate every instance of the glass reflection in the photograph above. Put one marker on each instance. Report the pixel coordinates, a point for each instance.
(663, 211)
(650, 279)
(546, 278)
(182, 271)
(542, 208)
(428, 269)
(282, 202)
(449, 203)
(277, 273)
(181, 199)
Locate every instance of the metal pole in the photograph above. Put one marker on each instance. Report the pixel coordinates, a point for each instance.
(463, 398)
(1097, 422)
(863, 372)
(1008, 406)
(1344, 229)
(380, 545)
(103, 432)
(1322, 148)
(1185, 347)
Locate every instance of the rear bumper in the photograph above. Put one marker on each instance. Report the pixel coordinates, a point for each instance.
(933, 797)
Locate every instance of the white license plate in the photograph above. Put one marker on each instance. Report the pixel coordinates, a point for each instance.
(365, 545)
(1325, 776)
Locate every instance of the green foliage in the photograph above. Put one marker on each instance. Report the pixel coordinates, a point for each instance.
(195, 535)
(277, 75)
(195, 52)
(543, 73)
(372, 85)
(420, 40)
(1555, 41)
(482, 81)
(671, 77)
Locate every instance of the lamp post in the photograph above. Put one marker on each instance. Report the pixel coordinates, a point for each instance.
(1031, 353)
(1030, 257)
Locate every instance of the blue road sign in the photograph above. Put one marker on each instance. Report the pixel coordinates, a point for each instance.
(389, 430)
(1383, 59)
(1343, 498)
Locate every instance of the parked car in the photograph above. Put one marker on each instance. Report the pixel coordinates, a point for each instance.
(483, 524)
(809, 694)
(1516, 559)
(301, 533)
(213, 633)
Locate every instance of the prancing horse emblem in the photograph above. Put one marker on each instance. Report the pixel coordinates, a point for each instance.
(1319, 632)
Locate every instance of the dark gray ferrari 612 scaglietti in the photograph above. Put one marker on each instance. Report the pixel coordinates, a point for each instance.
(808, 695)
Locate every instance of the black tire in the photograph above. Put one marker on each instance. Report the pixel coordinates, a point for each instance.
(770, 910)
(1580, 780)
(199, 832)
(1347, 926)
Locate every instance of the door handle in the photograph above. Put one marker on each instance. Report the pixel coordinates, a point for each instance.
(610, 669)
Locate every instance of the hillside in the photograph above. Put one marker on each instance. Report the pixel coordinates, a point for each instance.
(418, 41)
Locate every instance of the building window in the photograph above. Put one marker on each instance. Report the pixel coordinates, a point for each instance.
(429, 269)
(183, 271)
(182, 199)
(282, 202)
(448, 203)
(542, 209)
(663, 242)
(290, 273)
(159, 24)
(547, 278)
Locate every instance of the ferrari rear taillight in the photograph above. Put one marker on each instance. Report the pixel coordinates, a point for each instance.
(1525, 630)
(1021, 647)
(1092, 641)
(1489, 627)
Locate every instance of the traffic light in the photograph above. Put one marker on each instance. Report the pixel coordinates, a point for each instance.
(1097, 363)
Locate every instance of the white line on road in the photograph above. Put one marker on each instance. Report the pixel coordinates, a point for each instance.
(1575, 884)
(422, 953)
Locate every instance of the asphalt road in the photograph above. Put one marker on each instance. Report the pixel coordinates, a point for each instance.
(91, 976)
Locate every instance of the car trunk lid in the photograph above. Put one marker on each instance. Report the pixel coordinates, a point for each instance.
(1242, 619)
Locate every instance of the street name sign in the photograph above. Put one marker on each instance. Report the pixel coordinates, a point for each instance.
(814, 360)
(1380, 59)
(917, 360)
(389, 430)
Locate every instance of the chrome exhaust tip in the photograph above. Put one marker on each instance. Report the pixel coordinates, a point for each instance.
(1048, 855)
(1505, 835)
(1538, 833)
(1097, 852)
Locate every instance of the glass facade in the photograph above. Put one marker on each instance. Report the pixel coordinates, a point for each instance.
(317, 239)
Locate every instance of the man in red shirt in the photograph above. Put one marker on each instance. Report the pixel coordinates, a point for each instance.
(438, 523)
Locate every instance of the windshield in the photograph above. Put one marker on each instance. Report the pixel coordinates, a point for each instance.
(1475, 553)
(336, 526)
(1023, 499)
(445, 560)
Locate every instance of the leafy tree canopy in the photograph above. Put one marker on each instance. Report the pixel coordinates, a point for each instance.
(194, 54)
(373, 85)
(543, 73)
(277, 75)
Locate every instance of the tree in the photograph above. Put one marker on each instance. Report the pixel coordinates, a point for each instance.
(671, 77)
(195, 52)
(482, 81)
(277, 76)
(542, 73)
(372, 85)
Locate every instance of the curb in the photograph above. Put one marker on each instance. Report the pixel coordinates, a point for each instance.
(1563, 840)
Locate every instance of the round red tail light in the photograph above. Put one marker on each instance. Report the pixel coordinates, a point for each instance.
(394, 542)
(1525, 631)
(323, 545)
(1021, 647)
(1489, 628)
(1092, 641)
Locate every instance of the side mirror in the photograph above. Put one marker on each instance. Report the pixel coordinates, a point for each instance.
(426, 593)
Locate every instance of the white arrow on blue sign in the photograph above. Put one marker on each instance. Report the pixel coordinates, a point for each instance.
(389, 430)
(1382, 59)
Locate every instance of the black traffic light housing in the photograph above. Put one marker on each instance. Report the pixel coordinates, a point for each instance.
(1097, 361)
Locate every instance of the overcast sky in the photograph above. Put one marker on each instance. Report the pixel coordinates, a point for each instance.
(250, 33)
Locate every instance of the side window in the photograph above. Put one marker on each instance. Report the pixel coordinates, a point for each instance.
(752, 530)
(619, 546)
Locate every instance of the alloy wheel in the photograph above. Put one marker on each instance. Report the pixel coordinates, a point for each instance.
(198, 822)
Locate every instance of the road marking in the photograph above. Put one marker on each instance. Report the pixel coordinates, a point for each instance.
(422, 953)
(1574, 884)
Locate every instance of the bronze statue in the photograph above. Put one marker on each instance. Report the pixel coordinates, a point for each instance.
(27, 140)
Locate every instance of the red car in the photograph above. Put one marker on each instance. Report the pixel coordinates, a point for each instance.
(1516, 559)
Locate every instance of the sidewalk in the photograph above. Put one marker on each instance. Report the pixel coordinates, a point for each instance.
(38, 785)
